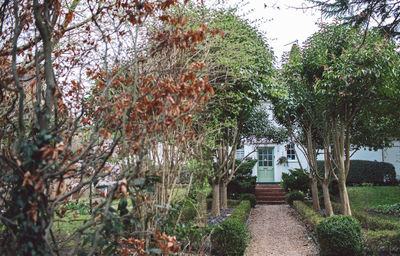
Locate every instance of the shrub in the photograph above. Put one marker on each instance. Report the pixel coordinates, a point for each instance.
(382, 242)
(340, 235)
(243, 181)
(296, 180)
(309, 216)
(374, 222)
(294, 195)
(250, 197)
(388, 209)
(241, 212)
(361, 171)
(229, 238)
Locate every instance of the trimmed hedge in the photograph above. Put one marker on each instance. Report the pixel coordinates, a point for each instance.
(361, 171)
(373, 222)
(250, 197)
(310, 217)
(230, 237)
(294, 196)
(340, 235)
(382, 241)
(241, 212)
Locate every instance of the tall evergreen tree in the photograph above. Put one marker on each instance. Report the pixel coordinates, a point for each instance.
(383, 14)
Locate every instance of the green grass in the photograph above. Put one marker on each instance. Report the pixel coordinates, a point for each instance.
(362, 198)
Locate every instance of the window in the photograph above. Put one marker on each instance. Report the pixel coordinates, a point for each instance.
(265, 157)
(240, 153)
(290, 152)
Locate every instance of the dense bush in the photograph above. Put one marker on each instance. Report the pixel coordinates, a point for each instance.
(294, 196)
(243, 181)
(296, 180)
(229, 238)
(250, 197)
(361, 171)
(340, 235)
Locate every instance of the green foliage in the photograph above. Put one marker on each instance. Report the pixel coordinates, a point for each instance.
(362, 13)
(309, 216)
(242, 181)
(340, 235)
(375, 222)
(378, 173)
(369, 197)
(229, 238)
(294, 195)
(362, 171)
(382, 242)
(296, 180)
(241, 212)
(250, 197)
(190, 235)
(389, 209)
(82, 207)
(232, 203)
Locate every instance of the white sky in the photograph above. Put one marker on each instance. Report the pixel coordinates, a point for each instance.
(283, 25)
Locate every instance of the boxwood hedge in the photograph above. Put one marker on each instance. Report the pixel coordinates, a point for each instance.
(361, 171)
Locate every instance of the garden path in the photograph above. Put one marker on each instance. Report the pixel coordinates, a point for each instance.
(275, 230)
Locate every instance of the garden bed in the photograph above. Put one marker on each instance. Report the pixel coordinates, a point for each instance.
(381, 231)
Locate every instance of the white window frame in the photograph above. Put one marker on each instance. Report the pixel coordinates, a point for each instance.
(291, 152)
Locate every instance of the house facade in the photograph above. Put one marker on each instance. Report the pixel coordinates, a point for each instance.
(270, 164)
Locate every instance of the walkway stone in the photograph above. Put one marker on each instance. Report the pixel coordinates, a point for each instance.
(275, 230)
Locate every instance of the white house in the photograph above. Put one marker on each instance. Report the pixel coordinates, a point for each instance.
(268, 170)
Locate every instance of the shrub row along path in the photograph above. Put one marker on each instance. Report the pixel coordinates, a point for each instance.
(275, 230)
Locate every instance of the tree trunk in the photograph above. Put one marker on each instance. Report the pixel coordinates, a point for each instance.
(327, 199)
(215, 208)
(344, 196)
(314, 193)
(202, 211)
(224, 195)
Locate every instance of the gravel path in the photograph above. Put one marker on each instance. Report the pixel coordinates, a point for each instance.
(275, 230)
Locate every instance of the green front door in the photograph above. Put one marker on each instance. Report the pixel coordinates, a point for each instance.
(265, 171)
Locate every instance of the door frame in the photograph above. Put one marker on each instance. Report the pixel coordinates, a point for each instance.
(272, 166)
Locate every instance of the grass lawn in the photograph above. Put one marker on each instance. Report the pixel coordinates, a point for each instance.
(362, 198)
(367, 197)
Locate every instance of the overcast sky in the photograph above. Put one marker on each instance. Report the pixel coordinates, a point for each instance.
(282, 23)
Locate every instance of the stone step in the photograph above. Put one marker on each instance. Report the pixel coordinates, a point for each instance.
(270, 198)
(271, 202)
(268, 186)
(270, 189)
(269, 193)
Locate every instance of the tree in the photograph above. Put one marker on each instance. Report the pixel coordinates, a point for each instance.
(83, 99)
(349, 72)
(371, 13)
(296, 107)
(240, 70)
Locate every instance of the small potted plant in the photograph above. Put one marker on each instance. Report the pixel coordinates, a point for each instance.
(282, 161)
